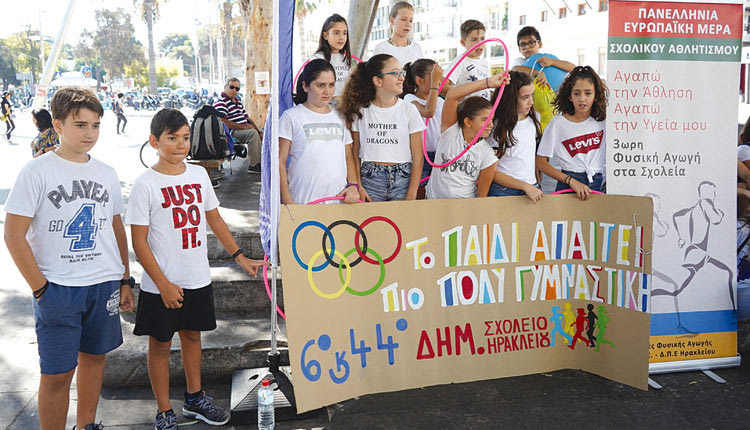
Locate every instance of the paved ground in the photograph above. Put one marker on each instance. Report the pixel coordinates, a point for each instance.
(564, 399)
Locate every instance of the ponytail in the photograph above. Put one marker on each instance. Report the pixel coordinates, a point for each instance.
(418, 69)
(360, 90)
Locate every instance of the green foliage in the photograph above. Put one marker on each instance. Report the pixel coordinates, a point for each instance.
(163, 74)
(7, 66)
(115, 43)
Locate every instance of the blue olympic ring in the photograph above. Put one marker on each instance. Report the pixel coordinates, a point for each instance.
(326, 231)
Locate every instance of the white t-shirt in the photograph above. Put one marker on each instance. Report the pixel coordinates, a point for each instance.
(519, 161)
(471, 70)
(518, 61)
(743, 152)
(71, 206)
(433, 126)
(404, 54)
(317, 156)
(338, 61)
(384, 132)
(174, 209)
(458, 180)
(577, 146)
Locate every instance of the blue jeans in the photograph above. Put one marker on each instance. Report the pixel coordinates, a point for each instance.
(596, 185)
(500, 191)
(427, 167)
(385, 183)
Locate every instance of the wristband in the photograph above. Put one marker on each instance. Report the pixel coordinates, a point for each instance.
(130, 281)
(38, 293)
(352, 184)
(434, 88)
(238, 252)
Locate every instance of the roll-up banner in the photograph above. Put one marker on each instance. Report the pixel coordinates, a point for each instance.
(673, 76)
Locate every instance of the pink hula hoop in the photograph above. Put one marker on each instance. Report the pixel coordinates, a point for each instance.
(294, 84)
(570, 190)
(486, 123)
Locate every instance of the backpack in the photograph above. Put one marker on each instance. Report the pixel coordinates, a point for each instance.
(208, 140)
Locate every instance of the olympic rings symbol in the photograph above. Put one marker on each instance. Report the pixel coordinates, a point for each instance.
(344, 264)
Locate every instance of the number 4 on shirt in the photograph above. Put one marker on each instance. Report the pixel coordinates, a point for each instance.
(82, 229)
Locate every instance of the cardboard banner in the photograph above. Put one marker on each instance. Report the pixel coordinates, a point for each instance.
(390, 296)
(671, 135)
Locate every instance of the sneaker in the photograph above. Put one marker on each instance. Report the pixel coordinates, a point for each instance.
(214, 183)
(253, 169)
(94, 427)
(166, 420)
(203, 408)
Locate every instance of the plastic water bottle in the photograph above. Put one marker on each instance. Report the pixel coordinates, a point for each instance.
(265, 406)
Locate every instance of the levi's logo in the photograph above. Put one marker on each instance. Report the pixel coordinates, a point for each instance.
(583, 144)
(327, 132)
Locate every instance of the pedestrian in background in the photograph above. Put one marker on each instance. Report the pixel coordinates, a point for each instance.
(47, 139)
(6, 112)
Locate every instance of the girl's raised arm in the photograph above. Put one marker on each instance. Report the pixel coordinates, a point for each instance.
(457, 93)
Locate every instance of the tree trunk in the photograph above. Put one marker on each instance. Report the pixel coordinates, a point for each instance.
(149, 4)
(257, 19)
(228, 39)
(361, 16)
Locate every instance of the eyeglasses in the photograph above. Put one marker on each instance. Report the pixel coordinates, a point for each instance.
(397, 75)
(530, 44)
(232, 87)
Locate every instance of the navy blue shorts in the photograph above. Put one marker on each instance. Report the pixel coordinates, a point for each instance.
(76, 319)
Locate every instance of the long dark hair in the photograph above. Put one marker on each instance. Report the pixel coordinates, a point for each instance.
(325, 47)
(43, 119)
(418, 69)
(360, 90)
(506, 115)
(601, 93)
(312, 70)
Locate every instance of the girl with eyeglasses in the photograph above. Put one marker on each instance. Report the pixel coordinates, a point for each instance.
(575, 137)
(386, 131)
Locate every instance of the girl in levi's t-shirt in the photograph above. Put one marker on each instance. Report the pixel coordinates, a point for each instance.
(575, 137)
(471, 174)
(515, 135)
(333, 46)
(386, 131)
(312, 137)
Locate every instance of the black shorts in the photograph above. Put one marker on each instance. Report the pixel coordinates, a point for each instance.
(154, 319)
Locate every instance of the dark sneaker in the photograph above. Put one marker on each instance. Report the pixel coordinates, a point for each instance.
(253, 169)
(214, 183)
(94, 427)
(203, 408)
(166, 420)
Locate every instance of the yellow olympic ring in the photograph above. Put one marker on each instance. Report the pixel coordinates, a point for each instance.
(312, 281)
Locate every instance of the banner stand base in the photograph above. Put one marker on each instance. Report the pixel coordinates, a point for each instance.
(694, 365)
(245, 386)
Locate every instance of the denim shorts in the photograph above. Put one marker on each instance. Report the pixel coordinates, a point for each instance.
(385, 183)
(596, 185)
(497, 190)
(73, 319)
(427, 167)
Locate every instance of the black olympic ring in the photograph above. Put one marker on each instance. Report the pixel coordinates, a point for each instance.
(359, 232)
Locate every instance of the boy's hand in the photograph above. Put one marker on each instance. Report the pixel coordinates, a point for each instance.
(542, 79)
(126, 298)
(172, 296)
(250, 266)
(546, 62)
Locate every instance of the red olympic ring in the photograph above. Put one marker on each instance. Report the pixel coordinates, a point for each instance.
(398, 244)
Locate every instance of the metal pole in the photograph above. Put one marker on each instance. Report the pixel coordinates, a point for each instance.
(54, 53)
(274, 275)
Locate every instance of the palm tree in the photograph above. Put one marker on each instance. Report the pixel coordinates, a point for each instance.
(301, 9)
(150, 13)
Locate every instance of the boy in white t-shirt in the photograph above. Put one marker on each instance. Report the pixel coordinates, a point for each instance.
(64, 232)
(473, 67)
(169, 207)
